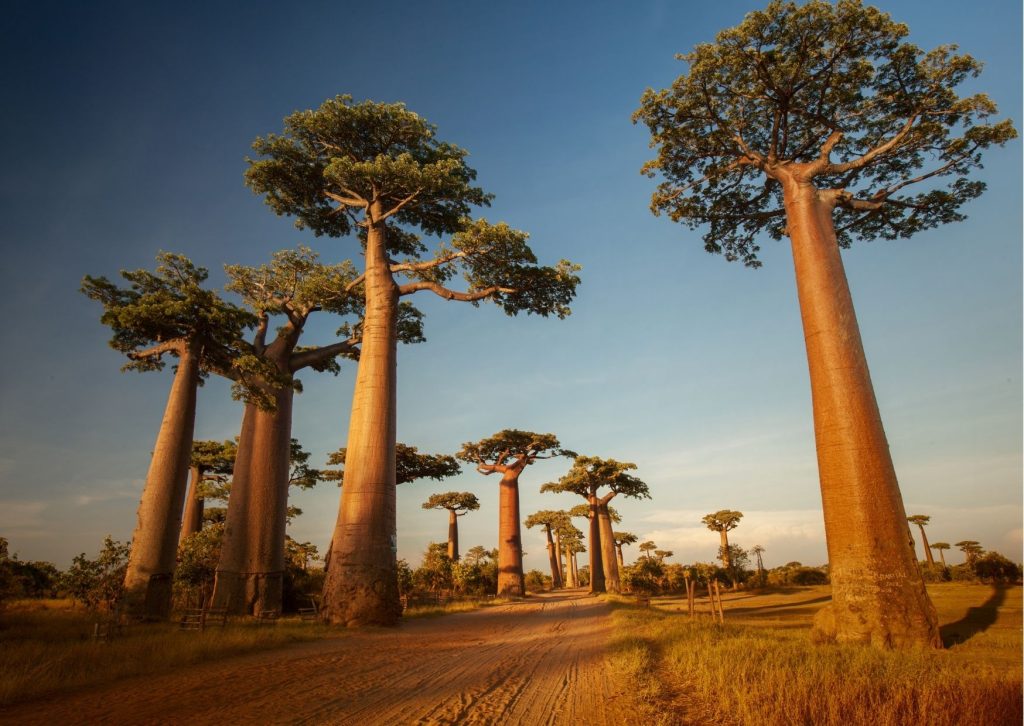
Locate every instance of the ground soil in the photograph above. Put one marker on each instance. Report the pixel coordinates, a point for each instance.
(540, 661)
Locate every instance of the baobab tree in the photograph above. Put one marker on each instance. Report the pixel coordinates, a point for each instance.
(294, 286)
(662, 554)
(167, 314)
(758, 550)
(587, 475)
(458, 504)
(572, 542)
(622, 539)
(815, 122)
(921, 520)
(941, 546)
(583, 511)
(378, 169)
(508, 453)
(550, 520)
(723, 521)
(211, 463)
(250, 571)
(972, 550)
(647, 548)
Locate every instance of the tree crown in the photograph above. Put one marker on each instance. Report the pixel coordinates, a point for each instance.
(522, 446)
(590, 473)
(824, 93)
(723, 520)
(940, 545)
(582, 511)
(410, 465)
(625, 538)
(920, 519)
(458, 502)
(547, 518)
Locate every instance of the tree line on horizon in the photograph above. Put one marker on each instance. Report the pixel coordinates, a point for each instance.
(818, 122)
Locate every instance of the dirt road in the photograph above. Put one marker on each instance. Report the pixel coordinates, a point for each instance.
(535, 662)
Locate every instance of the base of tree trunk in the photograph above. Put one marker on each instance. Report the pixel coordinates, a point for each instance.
(248, 593)
(149, 598)
(878, 622)
(511, 585)
(371, 598)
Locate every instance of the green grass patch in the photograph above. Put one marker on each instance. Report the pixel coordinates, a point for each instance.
(761, 668)
(47, 646)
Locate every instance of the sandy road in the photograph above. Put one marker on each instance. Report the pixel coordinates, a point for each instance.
(534, 662)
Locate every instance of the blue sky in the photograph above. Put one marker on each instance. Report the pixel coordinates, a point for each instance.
(127, 125)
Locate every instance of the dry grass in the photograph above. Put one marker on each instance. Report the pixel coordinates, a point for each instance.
(454, 606)
(761, 668)
(48, 646)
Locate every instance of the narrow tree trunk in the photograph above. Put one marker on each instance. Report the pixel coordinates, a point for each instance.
(575, 569)
(608, 556)
(510, 543)
(727, 558)
(453, 536)
(556, 571)
(250, 574)
(618, 551)
(570, 569)
(148, 580)
(361, 587)
(558, 554)
(878, 594)
(942, 556)
(927, 549)
(192, 521)
(596, 563)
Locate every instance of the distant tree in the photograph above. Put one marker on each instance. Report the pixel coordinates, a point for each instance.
(508, 453)
(622, 539)
(941, 546)
(994, 567)
(167, 313)
(647, 548)
(722, 522)
(457, 504)
(536, 581)
(587, 475)
(98, 583)
(378, 168)
(758, 550)
(811, 121)
(571, 541)
(972, 550)
(550, 520)
(211, 465)
(662, 554)
(436, 571)
(198, 555)
(921, 520)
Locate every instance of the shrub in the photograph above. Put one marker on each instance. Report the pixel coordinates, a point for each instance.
(98, 583)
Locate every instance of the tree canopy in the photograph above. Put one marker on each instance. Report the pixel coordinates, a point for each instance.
(834, 94)
(583, 511)
(410, 465)
(723, 520)
(590, 473)
(549, 518)
(521, 446)
(458, 502)
(625, 538)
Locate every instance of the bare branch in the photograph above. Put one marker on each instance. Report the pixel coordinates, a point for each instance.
(447, 294)
(346, 201)
(171, 346)
(868, 157)
(398, 206)
(429, 264)
(322, 354)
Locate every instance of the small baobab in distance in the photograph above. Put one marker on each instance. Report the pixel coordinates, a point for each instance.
(724, 521)
(457, 504)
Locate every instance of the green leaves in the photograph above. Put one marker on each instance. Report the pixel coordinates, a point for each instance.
(510, 443)
(723, 520)
(590, 473)
(823, 92)
(410, 465)
(458, 502)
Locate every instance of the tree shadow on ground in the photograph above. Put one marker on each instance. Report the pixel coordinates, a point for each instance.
(976, 620)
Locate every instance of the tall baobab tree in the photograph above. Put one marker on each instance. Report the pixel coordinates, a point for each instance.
(378, 169)
(941, 546)
(550, 520)
(167, 314)
(570, 540)
(622, 539)
(647, 548)
(211, 463)
(816, 121)
(921, 520)
(758, 550)
(587, 475)
(723, 521)
(294, 286)
(583, 511)
(457, 504)
(972, 550)
(508, 453)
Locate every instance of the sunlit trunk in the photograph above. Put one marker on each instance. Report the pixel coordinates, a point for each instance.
(148, 580)
(618, 551)
(510, 542)
(927, 549)
(192, 521)
(596, 562)
(556, 571)
(942, 556)
(570, 568)
(727, 558)
(361, 587)
(558, 556)
(453, 535)
(250, 574)
(608, 556)
(878, 594)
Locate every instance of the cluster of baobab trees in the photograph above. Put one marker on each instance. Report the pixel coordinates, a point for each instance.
(815, 122)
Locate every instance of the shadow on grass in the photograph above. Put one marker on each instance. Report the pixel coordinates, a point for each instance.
(763, 609)
(977, 620)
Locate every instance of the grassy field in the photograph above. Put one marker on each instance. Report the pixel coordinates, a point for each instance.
(760, 667)
(47, 646)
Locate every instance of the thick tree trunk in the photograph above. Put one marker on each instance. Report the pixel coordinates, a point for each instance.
(570, 569)
(608, 556)
(453, 536)
(596, 563)
(510, 542)
(878, 594)
(927, 549)
(192, 521)
(361, 587)
(556, 571)
(250, 574)
(148, 580)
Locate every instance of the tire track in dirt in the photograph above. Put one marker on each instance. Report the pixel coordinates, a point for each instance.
(540, 661)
